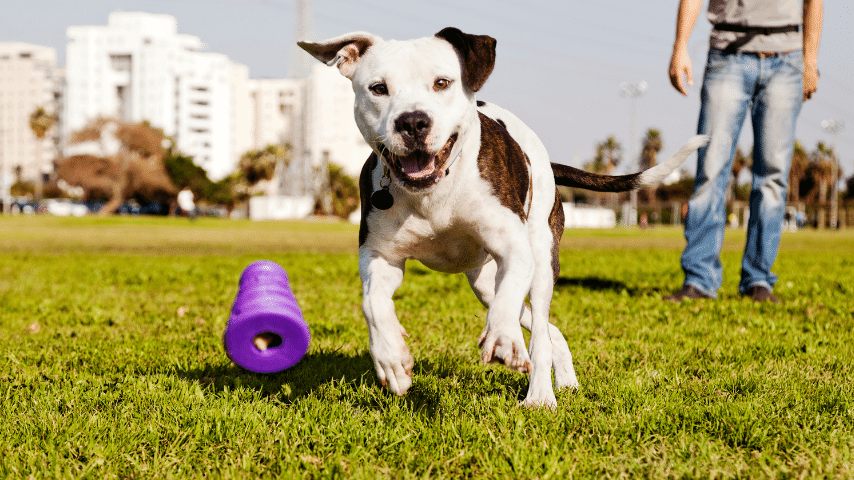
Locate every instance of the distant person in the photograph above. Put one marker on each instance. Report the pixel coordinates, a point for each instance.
(761, 63)
(185, 202)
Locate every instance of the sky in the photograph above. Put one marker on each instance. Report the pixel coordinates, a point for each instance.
(559, 66)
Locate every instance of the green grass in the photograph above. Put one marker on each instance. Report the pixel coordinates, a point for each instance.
(111, 362)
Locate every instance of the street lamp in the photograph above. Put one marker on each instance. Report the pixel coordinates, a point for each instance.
(632, 91)
(833, 127)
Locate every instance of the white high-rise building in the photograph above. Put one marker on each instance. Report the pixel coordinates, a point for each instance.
(139, 68)
(29, 79)
(313, 115)
(331, 134)
(276, 105)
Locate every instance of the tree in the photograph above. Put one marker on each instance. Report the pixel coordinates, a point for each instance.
(345, 192)
(135, 171)
(40, 123)
(849, 188)
(797, 171)
(679, 191)
(184, 172)
(608, 155)
(817, 176)
(652, 144)
(257, 165)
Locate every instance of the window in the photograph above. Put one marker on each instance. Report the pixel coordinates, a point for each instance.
(121, 63)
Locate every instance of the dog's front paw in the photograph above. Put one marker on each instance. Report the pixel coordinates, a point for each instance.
(394, 369)
(504, 348)
(540, 399)
(540, 392)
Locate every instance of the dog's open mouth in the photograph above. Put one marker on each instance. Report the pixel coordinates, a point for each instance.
(419, 169)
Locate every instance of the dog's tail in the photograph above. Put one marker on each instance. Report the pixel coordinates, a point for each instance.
(572, 177)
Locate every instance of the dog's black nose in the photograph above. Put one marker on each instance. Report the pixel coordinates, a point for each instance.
(413, 126)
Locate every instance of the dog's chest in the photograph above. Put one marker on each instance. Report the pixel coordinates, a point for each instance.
(437, 243)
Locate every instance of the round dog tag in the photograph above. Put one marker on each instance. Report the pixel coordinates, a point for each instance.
(382, 199)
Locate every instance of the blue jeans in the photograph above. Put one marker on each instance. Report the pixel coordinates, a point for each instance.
(771, 90)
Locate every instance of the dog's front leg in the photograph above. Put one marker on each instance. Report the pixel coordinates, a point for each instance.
(502, 340)
(392, 361)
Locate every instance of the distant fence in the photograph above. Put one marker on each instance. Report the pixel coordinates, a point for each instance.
(798, 215)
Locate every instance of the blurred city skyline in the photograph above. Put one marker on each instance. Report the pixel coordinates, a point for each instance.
(559, 66)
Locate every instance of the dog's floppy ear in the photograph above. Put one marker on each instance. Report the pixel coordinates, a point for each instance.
(343, 51)
(477, 55)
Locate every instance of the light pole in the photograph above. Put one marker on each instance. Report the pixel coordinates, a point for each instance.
(833, 127)
(632, 91)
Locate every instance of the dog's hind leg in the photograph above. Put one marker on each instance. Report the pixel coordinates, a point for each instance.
(540, 390)
(392, 360)
(562, 365)
(482, 281)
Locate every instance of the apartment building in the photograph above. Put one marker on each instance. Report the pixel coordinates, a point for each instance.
(314, 115)
(331, 134)
(29, 79)
(139, 68)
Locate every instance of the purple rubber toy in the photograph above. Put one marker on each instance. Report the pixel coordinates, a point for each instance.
(266, 332)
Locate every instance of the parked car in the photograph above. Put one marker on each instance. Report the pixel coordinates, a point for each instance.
(23, 206)
(63, 207)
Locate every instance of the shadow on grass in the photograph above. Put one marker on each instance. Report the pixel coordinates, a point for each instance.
(594, 284)
(313, 371)
(350, 377)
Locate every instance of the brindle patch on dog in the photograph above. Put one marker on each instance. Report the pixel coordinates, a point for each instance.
(503, 164)
(366, 188)
(557, 222)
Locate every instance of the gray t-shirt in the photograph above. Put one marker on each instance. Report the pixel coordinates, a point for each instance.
(757, 13)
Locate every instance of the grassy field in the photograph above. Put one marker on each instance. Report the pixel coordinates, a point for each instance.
(111, 362)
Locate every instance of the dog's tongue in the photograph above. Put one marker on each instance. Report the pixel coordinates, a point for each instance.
(417, 164)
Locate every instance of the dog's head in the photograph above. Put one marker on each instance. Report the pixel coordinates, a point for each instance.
(414, 98)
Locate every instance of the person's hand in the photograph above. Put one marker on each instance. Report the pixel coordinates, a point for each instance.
(680, 64)
(810, 80)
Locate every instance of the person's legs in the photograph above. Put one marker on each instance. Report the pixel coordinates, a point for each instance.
(727, 89)
(776, 106)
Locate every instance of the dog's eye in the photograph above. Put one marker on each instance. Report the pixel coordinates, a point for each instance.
(441, 84)
(379, 89)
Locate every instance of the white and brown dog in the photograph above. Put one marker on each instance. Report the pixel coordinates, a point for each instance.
(462, 186)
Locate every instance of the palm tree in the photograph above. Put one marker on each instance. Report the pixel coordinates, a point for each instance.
(818, 173)
(258, 165)
(608, 156)
(797, 171)
(652, 144)
(344, 191)
(40, 123)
